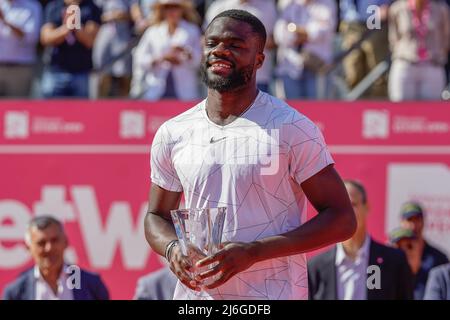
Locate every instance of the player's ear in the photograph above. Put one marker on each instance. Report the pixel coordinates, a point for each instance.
(260, 56)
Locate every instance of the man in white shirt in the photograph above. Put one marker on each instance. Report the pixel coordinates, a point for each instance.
(257, 156)
(360, 268)
(20, 22)
(51, 278)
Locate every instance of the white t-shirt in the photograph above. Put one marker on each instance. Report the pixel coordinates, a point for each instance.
(253, 166)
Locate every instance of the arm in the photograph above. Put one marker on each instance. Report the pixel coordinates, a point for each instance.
(52, 35)
(335, 222)
(140, 22)
(116, 15)
(16, 30)
(86, 35)
(159, 230)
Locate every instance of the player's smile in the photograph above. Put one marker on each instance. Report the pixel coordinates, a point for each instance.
(220, 66)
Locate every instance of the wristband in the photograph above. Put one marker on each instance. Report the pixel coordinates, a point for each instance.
(169, 248)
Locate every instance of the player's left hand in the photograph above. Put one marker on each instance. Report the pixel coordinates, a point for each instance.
(234, 257)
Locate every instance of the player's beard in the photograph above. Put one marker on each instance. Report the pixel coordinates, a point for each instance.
(236, 79)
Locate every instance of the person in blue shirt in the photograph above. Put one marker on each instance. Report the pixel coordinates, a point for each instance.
(68, 56)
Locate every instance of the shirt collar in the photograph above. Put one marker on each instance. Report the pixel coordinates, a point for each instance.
(363, 252)
(38, 275)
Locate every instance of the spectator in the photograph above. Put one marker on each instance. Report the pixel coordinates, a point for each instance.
(438, 284)
(20, 21)
(112, 39)
(355, 16)
(304, 35)
(167, 58)
(342, 273)
(69, 50)
(49, 278)
(264, 10)
(422, 257)
(419, 36)
(159, 285)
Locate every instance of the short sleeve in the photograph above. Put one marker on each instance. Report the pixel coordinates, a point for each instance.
(163, 172)
(308, 153)
(52, 14)
(94, 14)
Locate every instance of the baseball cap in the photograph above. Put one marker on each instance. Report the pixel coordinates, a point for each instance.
(411, 209)
(400, 233)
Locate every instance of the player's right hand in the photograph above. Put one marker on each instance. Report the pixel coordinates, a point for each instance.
(181, 266)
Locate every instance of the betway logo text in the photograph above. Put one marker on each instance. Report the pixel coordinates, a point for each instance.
(101, 237)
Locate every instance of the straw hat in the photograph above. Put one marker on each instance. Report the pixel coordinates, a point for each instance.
(160, 3)
(189, 12)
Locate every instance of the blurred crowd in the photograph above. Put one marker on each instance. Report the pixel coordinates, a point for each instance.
(151, 49)
(409, 266)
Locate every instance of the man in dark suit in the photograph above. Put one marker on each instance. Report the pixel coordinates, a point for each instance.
(51, 278)
(360, 268)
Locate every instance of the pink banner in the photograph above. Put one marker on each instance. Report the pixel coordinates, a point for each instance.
(88, 164)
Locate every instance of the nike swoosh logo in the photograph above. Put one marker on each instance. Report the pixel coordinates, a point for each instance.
(214, 141)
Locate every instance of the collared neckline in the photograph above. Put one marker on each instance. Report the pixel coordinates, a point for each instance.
(205, 114)
(61, 279)
(362, 253)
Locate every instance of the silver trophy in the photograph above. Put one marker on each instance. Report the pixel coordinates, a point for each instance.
(200, 233)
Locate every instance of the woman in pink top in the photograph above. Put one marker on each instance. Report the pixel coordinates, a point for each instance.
(419, 37)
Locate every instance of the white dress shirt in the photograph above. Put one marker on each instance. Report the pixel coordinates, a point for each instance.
(27, 16)
(45, 292)
(154, 44)
(264, 10)
(318, 17)
(351, 275)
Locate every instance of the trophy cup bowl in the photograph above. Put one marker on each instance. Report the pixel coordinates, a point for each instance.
(199, 232)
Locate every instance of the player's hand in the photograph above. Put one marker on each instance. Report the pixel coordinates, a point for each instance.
(234, 257)
(181, 266)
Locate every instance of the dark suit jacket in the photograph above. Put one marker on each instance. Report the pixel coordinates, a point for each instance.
(159, 285)
(396, 277)
(23, 288)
